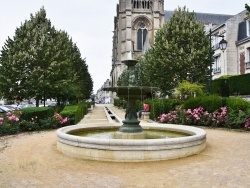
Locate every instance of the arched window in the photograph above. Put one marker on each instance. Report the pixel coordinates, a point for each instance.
(141, 36)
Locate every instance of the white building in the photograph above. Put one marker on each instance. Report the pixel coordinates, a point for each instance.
(235, 33)
(102, 96)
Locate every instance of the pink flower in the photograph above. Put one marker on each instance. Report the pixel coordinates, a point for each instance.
(9, 114)
(64, 120)
(162, 120)
(196, 116)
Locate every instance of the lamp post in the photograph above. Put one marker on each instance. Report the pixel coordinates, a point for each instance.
(223, 46)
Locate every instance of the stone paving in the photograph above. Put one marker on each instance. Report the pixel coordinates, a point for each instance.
(98, 114)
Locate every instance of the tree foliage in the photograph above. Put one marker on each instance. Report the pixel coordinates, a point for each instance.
(186, 88)
(248, 11)
(41, 62)
(180, 52)
(139, 77)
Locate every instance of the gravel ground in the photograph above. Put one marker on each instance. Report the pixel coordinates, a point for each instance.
(32, 160)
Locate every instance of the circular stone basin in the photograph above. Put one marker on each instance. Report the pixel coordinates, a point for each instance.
(130, 150)
(109, 134)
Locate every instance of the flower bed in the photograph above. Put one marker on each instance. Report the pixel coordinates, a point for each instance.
(218, 118)
(11, 123)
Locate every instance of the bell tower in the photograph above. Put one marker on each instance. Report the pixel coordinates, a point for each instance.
(135, 25)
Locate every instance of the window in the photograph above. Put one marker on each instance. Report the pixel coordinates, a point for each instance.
(141, 36)
(248, 59)
(141, 4)
(216, 40)
(248, 27)
(217, 65)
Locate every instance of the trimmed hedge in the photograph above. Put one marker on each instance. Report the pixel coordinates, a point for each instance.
(212, 103)
(232, 85)
(39, 112)
(209, 103)
(221, 87)
(75, 112)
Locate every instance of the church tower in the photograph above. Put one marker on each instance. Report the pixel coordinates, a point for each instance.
(135, 25)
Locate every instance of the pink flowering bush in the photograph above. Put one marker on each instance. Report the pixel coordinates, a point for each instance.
(11, 123)
(171, 117)
(60, 119)
(195, 117)
(238, 119)
(247, 123)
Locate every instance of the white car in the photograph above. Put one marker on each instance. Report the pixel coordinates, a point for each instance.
(21, 106)
(4, 109)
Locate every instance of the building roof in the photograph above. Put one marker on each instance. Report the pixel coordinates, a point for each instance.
(206, 18)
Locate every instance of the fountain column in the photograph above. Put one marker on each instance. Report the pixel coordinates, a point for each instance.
(131, 128)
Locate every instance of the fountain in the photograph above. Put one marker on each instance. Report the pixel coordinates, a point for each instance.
(130, 143)
(131, 128)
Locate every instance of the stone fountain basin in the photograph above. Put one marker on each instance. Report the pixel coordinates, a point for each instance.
(131, 150)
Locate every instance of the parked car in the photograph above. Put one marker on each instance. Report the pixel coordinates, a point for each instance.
(51, 104)
(12, 107)
(4, 109)
(21, 106)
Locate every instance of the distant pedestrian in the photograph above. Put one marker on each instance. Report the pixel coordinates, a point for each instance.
(145, 109)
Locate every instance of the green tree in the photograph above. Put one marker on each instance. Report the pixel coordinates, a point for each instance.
(248, 11)
(180, 52)
(41, 62)
(83, 83)
(139, 77)
(187, 89)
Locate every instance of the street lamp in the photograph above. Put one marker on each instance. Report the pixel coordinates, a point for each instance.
(223, 46)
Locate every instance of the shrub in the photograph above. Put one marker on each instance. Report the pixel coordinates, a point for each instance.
(9, 123)
(238, 119)
(221, 86)
(31, 125)
(38, 112)
(160, 106)
(196, 117)
(237, 104)
(209, 103)
(116, 102)
(75, 112)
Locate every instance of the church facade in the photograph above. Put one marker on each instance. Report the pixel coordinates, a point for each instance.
(135, 26)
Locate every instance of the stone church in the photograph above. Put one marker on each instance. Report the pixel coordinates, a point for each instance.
(135, 25)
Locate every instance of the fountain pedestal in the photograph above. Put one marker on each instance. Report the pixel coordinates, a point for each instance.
(131, 128)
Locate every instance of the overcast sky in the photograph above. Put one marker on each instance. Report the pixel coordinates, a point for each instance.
(90, 23)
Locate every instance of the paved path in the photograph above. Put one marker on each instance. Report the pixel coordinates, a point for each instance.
(98, 114)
